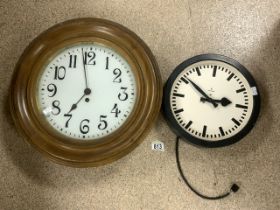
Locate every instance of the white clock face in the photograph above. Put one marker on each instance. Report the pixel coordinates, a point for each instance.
(87, 91)
(211, 100)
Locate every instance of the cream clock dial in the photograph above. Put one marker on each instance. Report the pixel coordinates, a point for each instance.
(211, 100)
(87, 91)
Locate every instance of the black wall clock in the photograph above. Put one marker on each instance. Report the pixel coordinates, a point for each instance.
(211, 100)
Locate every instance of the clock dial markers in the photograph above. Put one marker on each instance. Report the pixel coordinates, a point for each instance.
(197, 71)
(184, 80)
(178, 95)
(204, 130)
(240, 90)
(230, 76)
(241, 106)
(222, 131)
(189, 124)
(178, 111)
(214, 71)
(219, 105)
(235, 121)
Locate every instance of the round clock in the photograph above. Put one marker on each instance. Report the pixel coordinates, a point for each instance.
(211, 100)
(85, 92)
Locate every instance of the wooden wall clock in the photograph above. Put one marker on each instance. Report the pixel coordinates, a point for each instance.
(211, 100)
(85, 92)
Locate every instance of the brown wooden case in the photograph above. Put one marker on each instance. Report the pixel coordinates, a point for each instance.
(28, 117)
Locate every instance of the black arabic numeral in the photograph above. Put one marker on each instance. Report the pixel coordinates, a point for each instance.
(116, 110)
(56, 109)
(103, 123)
(84, 128)
(72, 61)
(67, 122)
(118, 73)
(59, 72)
(89, 58)
(123, 96)
(52, 89)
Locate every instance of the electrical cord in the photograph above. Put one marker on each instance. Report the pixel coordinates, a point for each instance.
(234, 188)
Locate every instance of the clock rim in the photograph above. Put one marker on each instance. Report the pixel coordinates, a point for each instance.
(172, 122)
(142, 116)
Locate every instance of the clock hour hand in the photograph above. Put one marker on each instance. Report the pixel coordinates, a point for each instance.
(224, 101)
(87, 91)
(203, 93)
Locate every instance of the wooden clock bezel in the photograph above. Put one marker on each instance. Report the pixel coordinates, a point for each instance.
(68, 151)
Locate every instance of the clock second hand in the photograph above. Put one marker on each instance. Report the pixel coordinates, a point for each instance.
(203, 93)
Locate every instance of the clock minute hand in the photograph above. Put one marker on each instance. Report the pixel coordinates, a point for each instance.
(203, 93)
(85, 71)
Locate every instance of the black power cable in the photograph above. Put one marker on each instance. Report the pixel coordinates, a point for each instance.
(234, 188)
